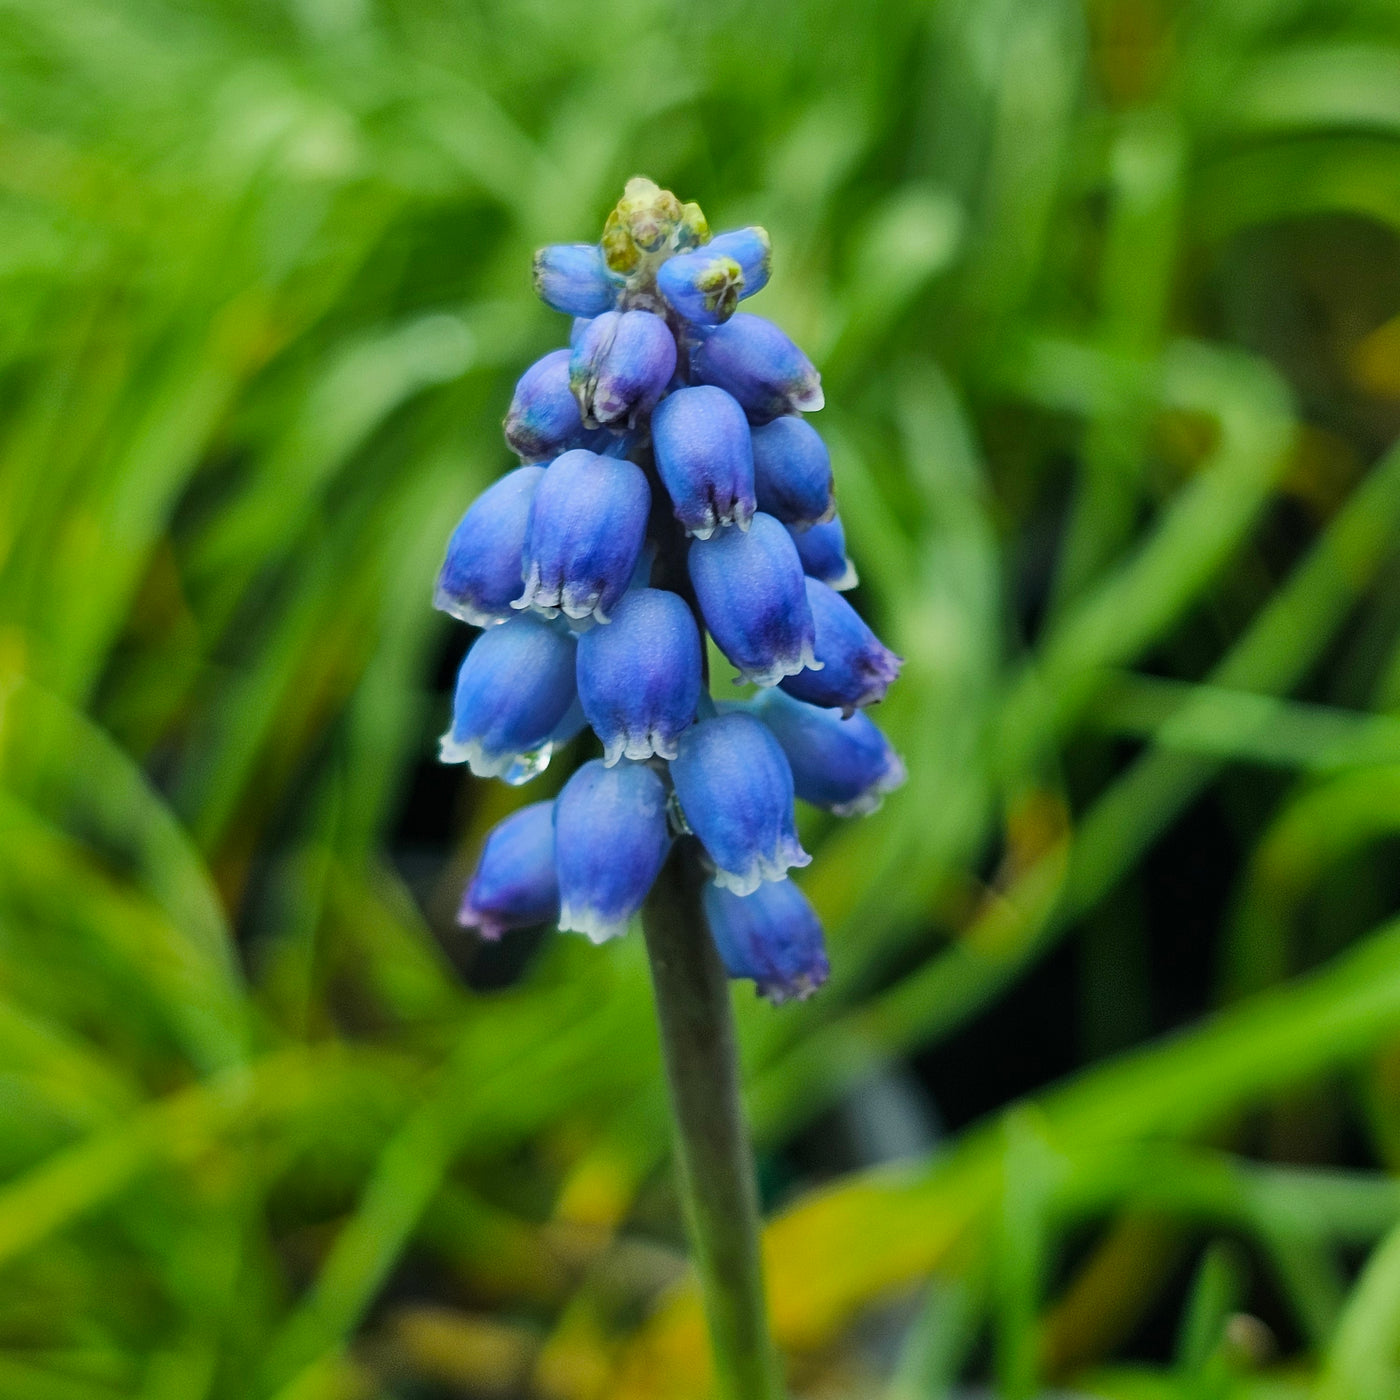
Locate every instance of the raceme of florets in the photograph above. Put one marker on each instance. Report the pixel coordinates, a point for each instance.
(669, 487)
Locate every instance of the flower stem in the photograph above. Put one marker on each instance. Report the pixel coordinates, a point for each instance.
(713, 1161)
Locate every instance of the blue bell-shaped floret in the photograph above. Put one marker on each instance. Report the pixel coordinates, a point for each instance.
(734, 787)
(750, 588)
(754, 361)
(587, 527)
(701, 440)
(514, 689)
(574, 278)
(844, 765)
(857, 668)
(792, 472)
(639, 677)
(704, 286)
(610, 841)
(480, 577)
(772, 936)
(822, 549)
(620, 367)
(515, 884)
(543, 419)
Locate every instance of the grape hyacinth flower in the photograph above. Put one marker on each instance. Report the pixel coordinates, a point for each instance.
(670, 492)
(822, 550)
(704, 457)
(845, 765)
(772, 937)
(610, 839)
(667, 402)
(543, 419)
(516, 884)
(480, 578)
(792, 472)
(735, 790)
(752, 595)
(586, 532)
(853, 666)
(515, 689)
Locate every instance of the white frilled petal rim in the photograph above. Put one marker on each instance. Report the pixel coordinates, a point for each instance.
(797, 989)
(788, 855)
(713, 521)
(873, 797)
(550, 601)
(850, 579)
(789, 665)
(464, 611)
(592, 923)
(652, 743)
(512, 768)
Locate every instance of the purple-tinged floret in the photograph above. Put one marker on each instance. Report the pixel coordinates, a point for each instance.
(772, 937)
(515, 884)
(856, 667)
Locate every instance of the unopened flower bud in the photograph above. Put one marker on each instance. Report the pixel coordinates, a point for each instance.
(856, 667)
(639, 677)
(772, 936)
(515, 884)
(735, 789)
(610, 840)
(574, 278)
(703, 456)
(480, 577)
(755, 362)
(587, 527)
(750, 588)
(705, 286)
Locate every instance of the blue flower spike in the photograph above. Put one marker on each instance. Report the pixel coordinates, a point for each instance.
(752, 594)
(515, 884)
(596, 604)
(792, 472)
(621, 366)
(734, 786)
(639, 677)
(610, 840)
(822, 550)
(586, 532)
(514, 689)
(480, 577)
(705, 459)
(771, 937)
(855, 668)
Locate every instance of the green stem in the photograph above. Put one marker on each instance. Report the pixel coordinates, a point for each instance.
(713, 1160)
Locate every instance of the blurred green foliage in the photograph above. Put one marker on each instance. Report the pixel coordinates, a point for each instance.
(1106, 296)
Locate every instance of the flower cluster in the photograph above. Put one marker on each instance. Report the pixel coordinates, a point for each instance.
(669, 487)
